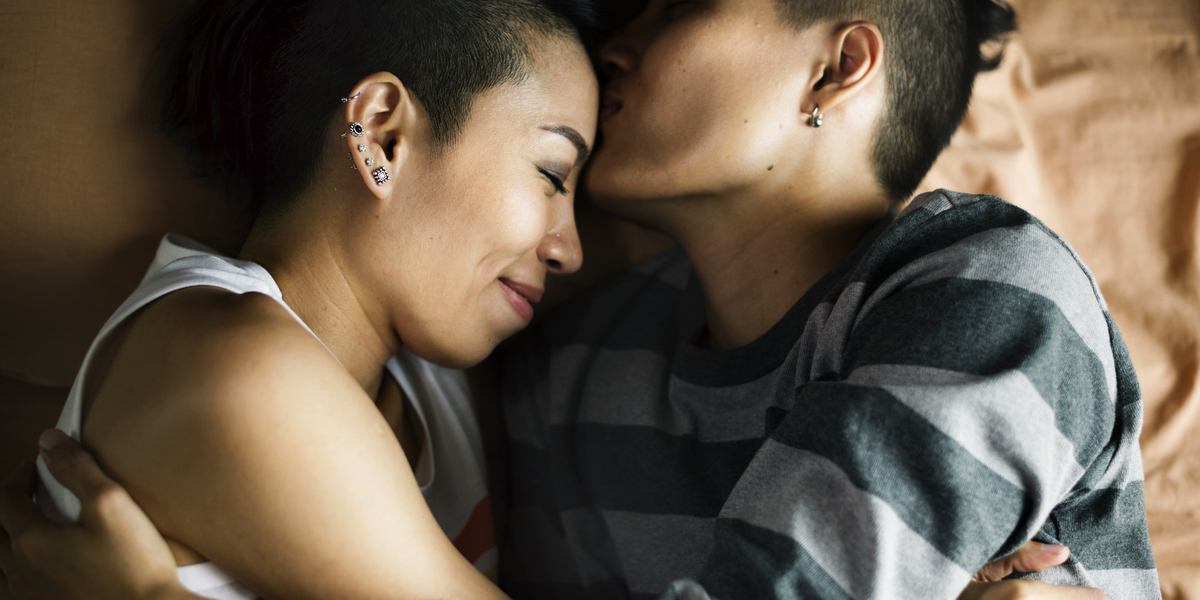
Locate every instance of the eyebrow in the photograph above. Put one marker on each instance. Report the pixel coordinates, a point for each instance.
(581, 148)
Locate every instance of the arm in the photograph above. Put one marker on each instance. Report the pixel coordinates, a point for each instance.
(248, 444)
(961, 414)
(114, 552)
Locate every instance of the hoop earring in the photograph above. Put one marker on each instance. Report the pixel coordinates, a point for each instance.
(817, 118)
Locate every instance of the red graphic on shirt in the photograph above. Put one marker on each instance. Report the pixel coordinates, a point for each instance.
(479, 534)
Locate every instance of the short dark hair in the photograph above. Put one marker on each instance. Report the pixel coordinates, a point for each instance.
(933, 53)
(251, 86)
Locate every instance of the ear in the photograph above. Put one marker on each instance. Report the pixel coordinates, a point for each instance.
(855, 59)
(381, 129)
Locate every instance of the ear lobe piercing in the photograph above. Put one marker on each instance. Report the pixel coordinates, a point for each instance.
(380, 175)
(817, 118)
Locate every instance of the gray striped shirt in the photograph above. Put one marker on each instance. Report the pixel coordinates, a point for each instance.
(954, 388)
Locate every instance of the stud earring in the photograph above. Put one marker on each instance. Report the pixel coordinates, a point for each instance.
(370, 161)
(362, 147)
(380, 175)
(817, 119)
(356, 129)
(354, 166)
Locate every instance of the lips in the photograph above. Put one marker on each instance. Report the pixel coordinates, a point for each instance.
(522, 297)
(609, 105)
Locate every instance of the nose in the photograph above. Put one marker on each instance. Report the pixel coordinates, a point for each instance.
(617, 57)
(560, 249)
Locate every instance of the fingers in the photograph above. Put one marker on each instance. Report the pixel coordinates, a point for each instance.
(76, 469)
(1033, 557)
(1028, 590)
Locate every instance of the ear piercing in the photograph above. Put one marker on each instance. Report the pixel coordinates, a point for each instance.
(370, 161)
(356, 129)
(380, 175)
(362, 147)
(817, 118)
(345, 100)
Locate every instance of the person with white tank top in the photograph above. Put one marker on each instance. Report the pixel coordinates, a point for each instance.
(410, 165)
(451, 470)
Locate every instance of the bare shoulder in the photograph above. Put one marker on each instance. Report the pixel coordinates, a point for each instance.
(209, 349)
(204, 374)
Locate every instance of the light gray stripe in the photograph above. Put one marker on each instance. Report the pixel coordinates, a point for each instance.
(658, 549)
(933, 203)
(1026, 257)
(1001, 420)
(1128, 584)
(853, 536)
(635, 388)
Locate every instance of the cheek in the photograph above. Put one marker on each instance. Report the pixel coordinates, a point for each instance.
(696, 125)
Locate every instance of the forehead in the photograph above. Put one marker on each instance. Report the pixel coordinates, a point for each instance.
(559, 89)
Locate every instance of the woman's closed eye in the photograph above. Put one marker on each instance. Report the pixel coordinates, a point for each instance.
(555, 180)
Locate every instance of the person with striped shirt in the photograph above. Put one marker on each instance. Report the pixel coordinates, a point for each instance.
(816, 394)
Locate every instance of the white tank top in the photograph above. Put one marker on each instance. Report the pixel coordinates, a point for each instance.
(451, 470)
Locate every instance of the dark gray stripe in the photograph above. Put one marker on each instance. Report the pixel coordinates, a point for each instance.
(636, 469)
(985, 328)
(752, 563)
(966, 511)
(1106, 528)
(1001, 420)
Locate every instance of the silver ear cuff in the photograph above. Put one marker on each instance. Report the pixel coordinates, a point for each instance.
(356, 129)
(817, 118)
(380, 175)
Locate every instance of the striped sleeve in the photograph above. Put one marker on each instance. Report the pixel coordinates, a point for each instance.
(966, 402)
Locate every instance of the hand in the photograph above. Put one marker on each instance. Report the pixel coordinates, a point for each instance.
(113, 552)
(1033, 557)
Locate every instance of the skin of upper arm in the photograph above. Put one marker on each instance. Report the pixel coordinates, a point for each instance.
(244, 439)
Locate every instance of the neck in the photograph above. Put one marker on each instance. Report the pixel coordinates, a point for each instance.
(310, 271)
(756, 256)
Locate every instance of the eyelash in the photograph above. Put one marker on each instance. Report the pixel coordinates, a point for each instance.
(556, 181)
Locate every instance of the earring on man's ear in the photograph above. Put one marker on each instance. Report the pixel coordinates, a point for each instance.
(817, 118)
